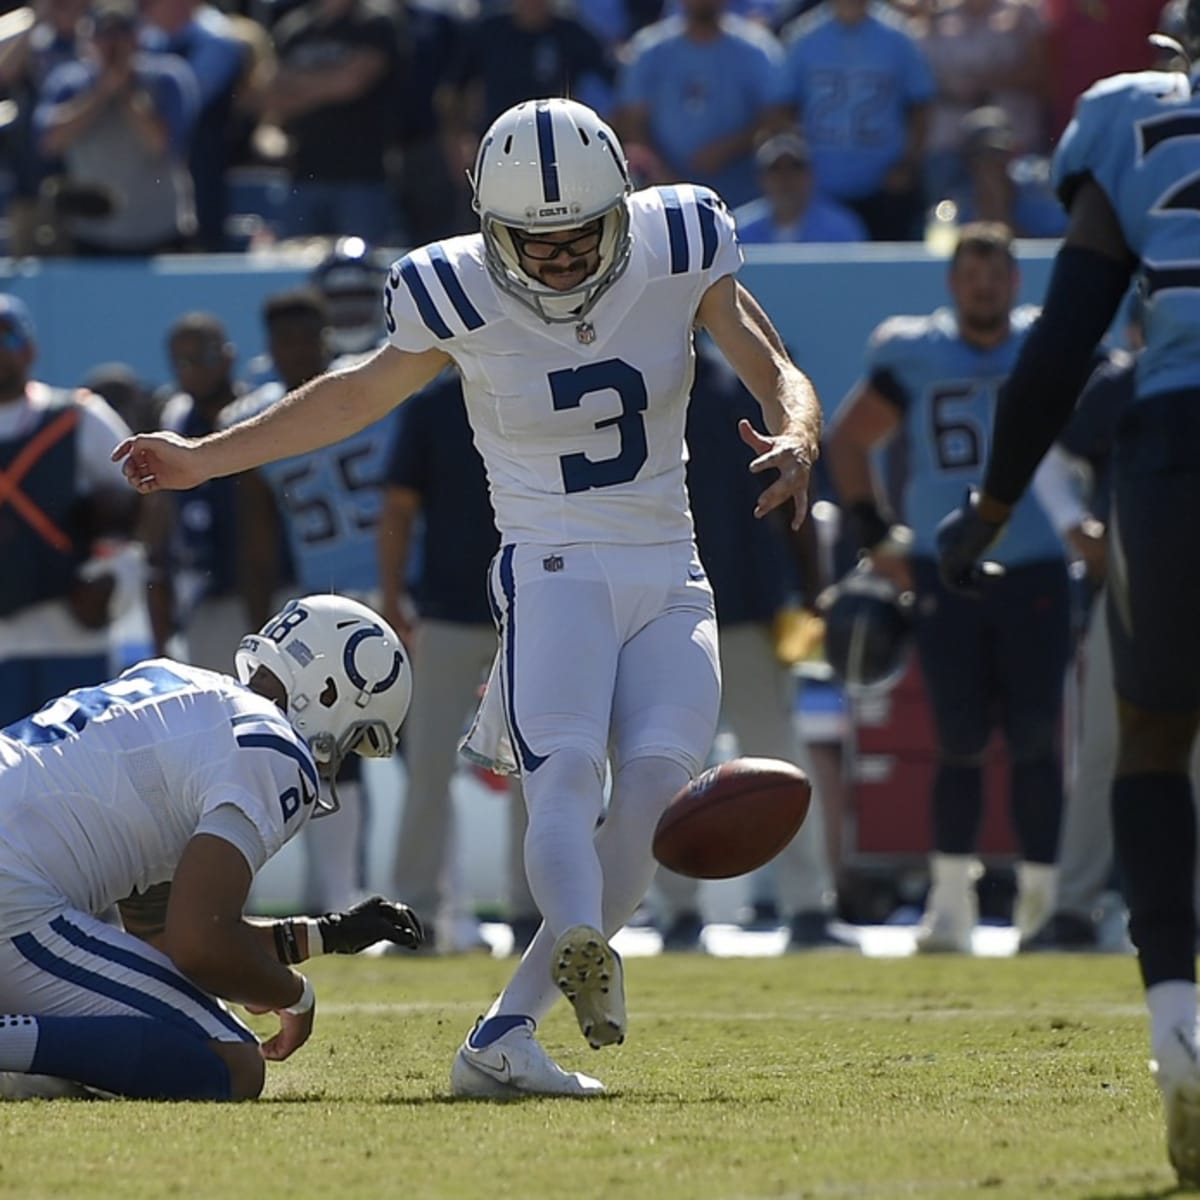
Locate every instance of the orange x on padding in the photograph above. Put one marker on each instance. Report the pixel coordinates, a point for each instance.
(26, 460)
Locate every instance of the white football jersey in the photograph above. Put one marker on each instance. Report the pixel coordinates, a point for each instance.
(580, 425)
(101, 790)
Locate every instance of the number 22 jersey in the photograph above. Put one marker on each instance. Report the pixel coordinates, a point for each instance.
(580, 426)
(1138, 137)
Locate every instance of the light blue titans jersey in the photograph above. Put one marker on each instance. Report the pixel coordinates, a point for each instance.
(1138, 137)
(946, 389)
(329, 500)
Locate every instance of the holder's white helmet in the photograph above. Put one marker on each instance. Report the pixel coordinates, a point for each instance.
(546, 166)
(345, 671)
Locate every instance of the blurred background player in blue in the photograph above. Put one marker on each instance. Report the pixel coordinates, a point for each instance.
(756, 569)
(60, 497)
(694, 94)
(350, 279)
(192, 536)
(325, 507)
(789, 209)
(932, 381)
(859, 85)
(438, 535)
(1126, 168)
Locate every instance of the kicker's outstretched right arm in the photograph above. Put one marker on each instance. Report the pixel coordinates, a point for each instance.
(324, 411)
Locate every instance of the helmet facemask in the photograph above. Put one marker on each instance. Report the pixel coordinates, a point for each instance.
(501, 243)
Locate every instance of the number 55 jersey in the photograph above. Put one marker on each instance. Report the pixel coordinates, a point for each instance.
(579, 423)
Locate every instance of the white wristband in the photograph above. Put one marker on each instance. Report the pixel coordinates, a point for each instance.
(316, 943)
(307, 999)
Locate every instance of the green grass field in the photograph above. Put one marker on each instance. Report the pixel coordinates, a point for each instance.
(804, 1076)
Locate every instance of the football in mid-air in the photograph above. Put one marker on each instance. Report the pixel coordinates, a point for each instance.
(733, 818)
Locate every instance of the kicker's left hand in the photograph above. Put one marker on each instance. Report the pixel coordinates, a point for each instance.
(785, 454)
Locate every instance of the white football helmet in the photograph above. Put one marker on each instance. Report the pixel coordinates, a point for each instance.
(546, 166)
(346, 673)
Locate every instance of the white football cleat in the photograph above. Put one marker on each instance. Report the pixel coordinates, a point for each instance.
(952, 906)
(1037, 891)
(587, 970)
(942, 932)
(1176, 1068)
(514, 1065)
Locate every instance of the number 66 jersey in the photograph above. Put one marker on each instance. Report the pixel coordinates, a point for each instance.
(580, 423)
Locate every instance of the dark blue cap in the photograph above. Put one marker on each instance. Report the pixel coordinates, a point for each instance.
(17, 315)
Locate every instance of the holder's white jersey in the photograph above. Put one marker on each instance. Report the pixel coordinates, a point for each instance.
(580, 424)
(101, 790)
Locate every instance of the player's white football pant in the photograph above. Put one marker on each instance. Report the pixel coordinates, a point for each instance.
(1176, 1067)
(589, 973)
(515, 1065)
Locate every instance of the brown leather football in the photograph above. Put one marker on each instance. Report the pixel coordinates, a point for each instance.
(733, 818)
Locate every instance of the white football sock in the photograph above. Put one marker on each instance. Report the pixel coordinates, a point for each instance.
(1172, 1006)
(564, 796)
(1037, 888)
(641, 791)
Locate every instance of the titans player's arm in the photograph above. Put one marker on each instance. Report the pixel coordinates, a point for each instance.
(791, 410)
(324, 411)
(1090, 276)
(864, 420)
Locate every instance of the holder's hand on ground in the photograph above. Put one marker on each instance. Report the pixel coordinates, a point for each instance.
(157, 461)
(784, 454)
(962, 537)
(294, 1031)
(373, 920)
(295, 1023)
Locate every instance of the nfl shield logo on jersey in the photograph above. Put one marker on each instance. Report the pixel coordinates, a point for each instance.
(553, 562)
(585, 331)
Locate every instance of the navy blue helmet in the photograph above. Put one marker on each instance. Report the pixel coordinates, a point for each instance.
(868, 631)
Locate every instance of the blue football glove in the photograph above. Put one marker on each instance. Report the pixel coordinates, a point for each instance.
(962, 537)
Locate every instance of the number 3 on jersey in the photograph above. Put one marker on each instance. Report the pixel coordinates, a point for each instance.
(568, 389)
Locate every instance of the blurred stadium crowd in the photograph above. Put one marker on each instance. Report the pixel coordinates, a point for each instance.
(134, 128)
(176, 126)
